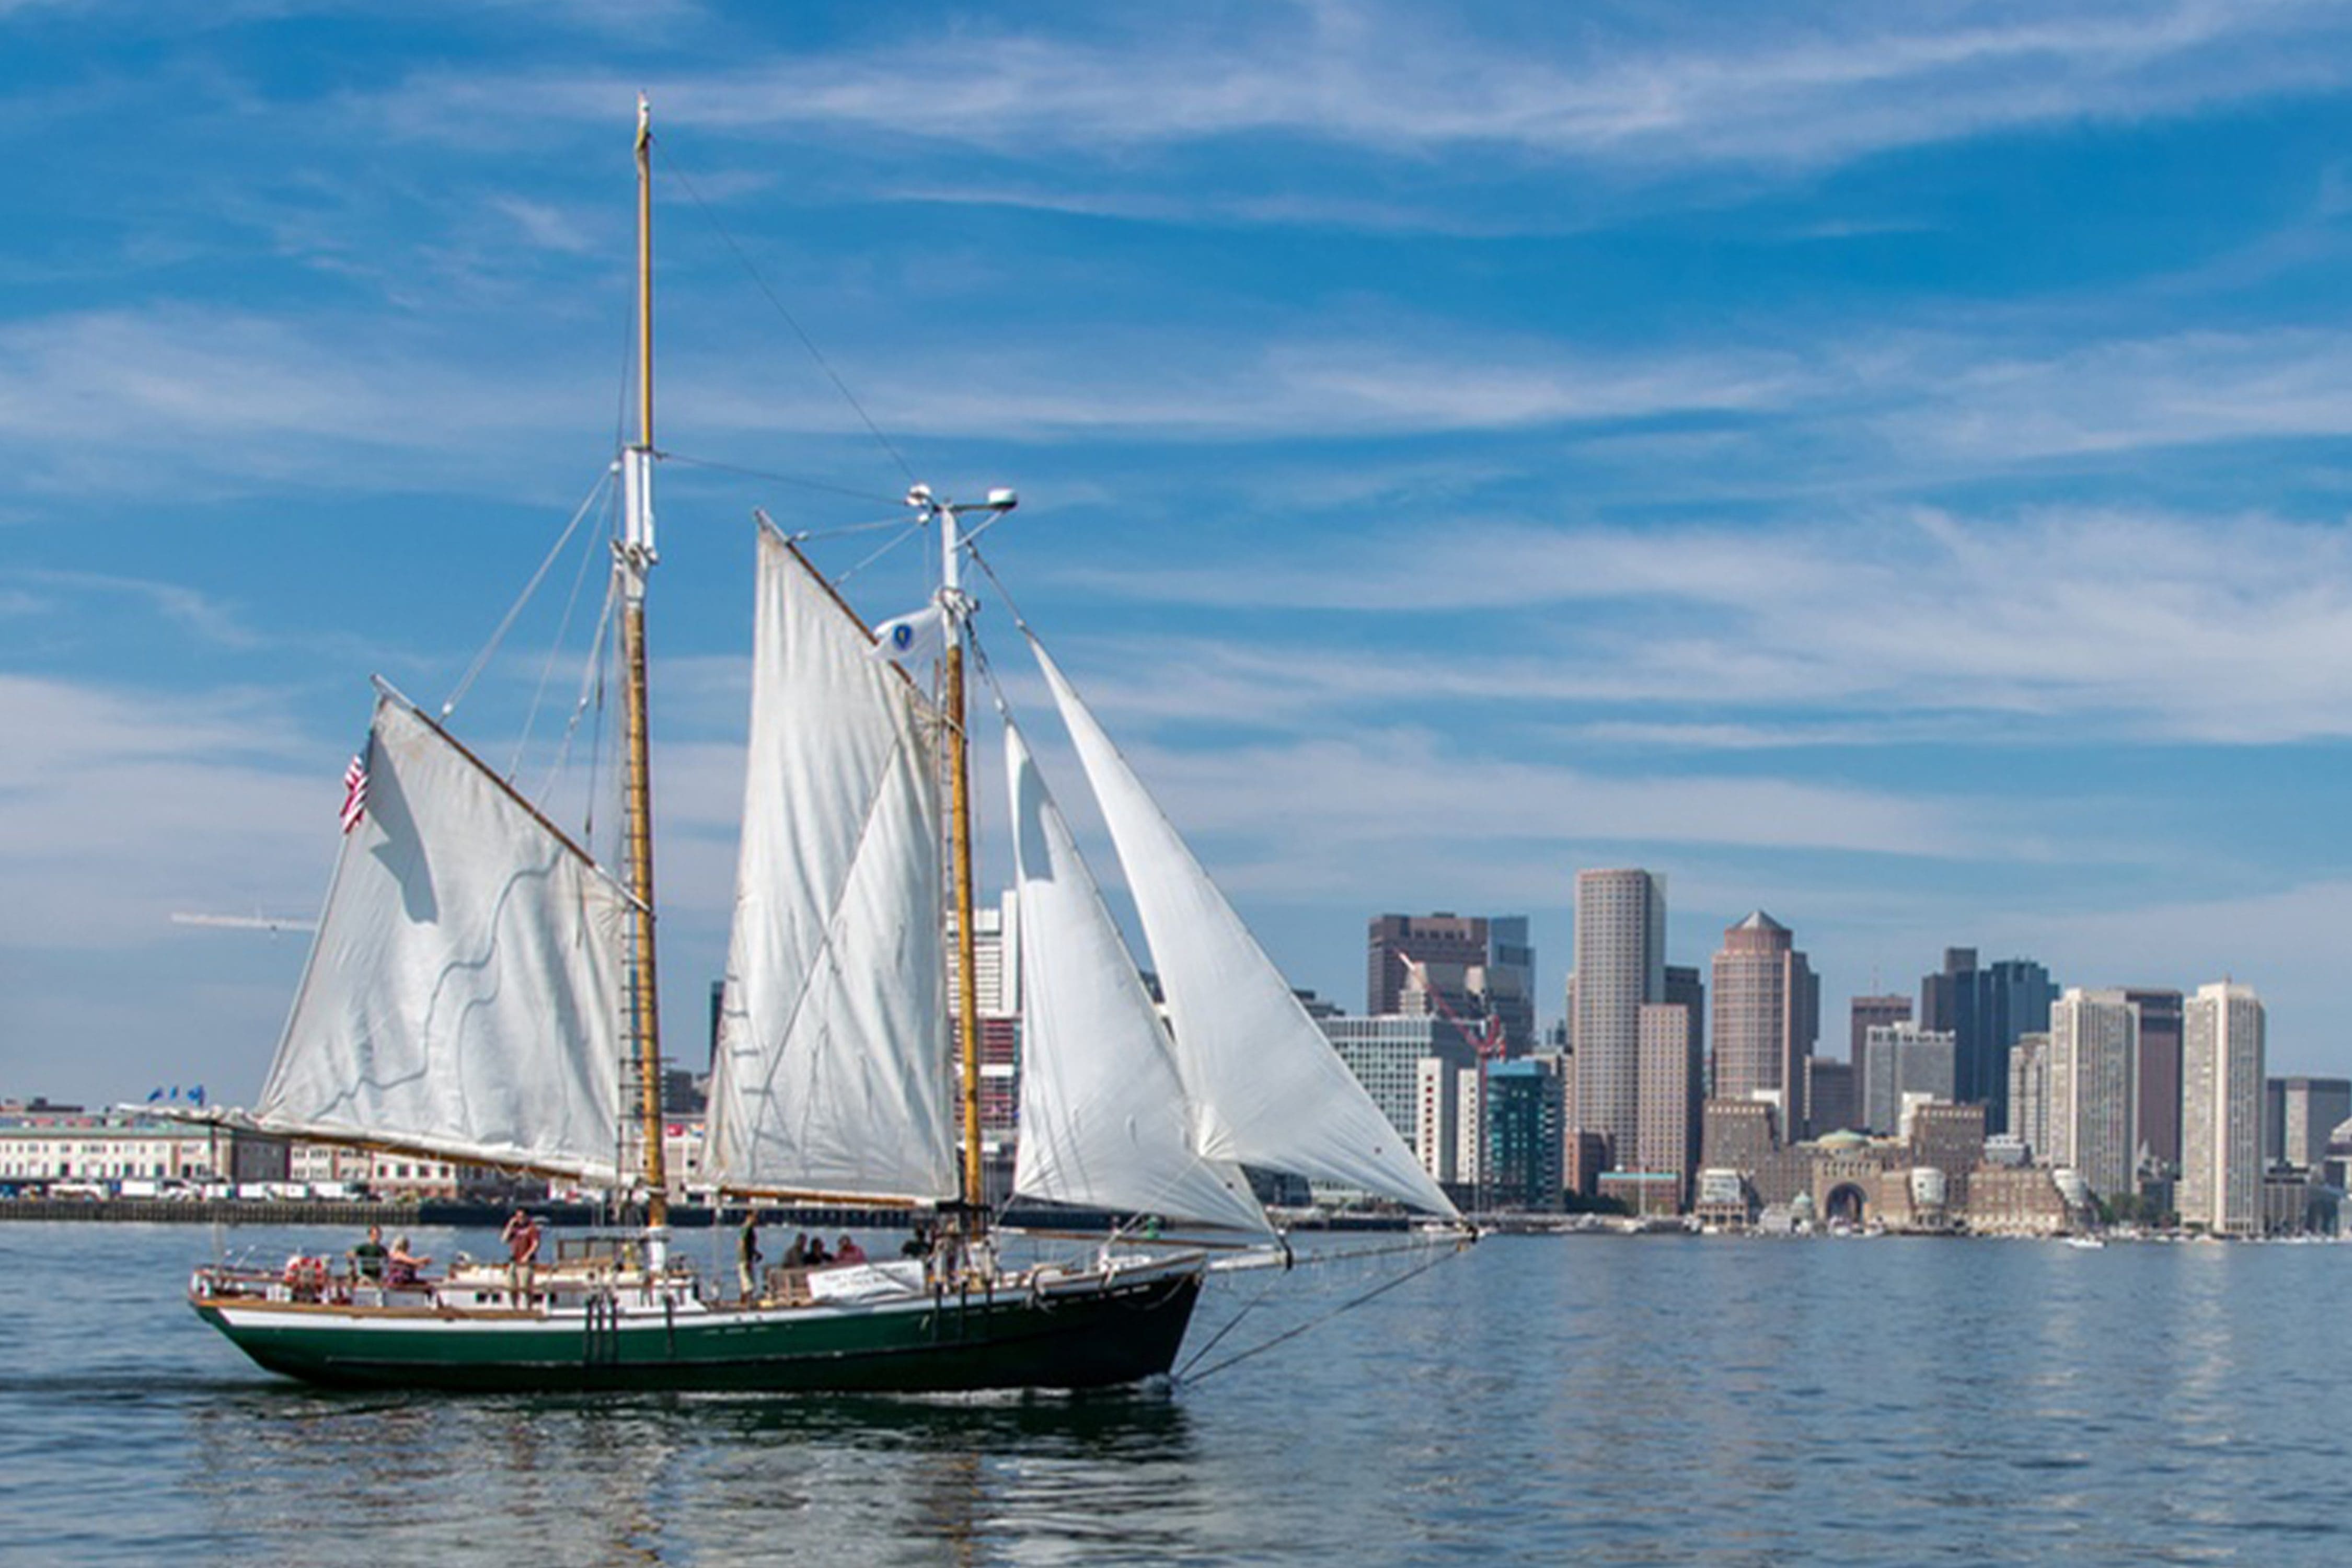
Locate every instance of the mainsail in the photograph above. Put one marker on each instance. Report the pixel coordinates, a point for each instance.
(1103, 1116)
(831, 1071)
(464, 992)
(1267, 1088)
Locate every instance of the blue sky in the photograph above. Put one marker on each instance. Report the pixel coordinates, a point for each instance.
(1886, 465)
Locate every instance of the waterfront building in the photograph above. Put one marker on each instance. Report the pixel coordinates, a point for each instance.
(2093, 1100)
(2309, 1108)
(1583, 1155)
(1645, 1195)
(1903, 1059)
(1985, 1010)
(1830, 1103)
(1621, 946)
(1767, 1016)
(1950, 1139)
(1522, 1138)
(1669, 1127)
(2029, 1092)
(2159, 1073)
(1385, 1054)
(2222, 1060)
(50, 1144)
(2014, 1200)
(1441, 1119)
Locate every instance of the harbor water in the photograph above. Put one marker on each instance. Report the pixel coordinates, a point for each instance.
(1664, 1400)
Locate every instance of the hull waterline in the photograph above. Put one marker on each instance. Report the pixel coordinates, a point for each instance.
(1095, 1333)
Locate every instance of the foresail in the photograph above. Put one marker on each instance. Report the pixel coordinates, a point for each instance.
(463, 991)
(831, 1068)
(1266, 1086)
(1103, 1115)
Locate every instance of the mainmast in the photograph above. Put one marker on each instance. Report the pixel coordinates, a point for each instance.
(956, 607)
(633, 558)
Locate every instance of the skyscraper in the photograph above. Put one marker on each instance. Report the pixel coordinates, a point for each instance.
(2222, 1052)
(1620, 948)
(1985, 1010)
(2093, 1100)
(2029, 1093)
(1767, 1014)
(1668, 1140)
(2159, 1072)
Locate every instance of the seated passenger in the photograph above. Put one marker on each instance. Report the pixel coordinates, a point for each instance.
(849, 1251)
(404, 1266)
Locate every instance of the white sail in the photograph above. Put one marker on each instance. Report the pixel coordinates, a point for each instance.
(1266, 1086)
(831, 1070)
(1103, 1118)
(464, 992)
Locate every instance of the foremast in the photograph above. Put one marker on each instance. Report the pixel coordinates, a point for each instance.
(955, 610)
(634, 558)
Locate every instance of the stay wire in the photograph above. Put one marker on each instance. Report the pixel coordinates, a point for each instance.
(760, 283)
(1378, 1290)
(489, 650)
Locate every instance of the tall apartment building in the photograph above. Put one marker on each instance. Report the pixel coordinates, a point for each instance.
(2309, 1108)
(1901, 1059)
(1620, 948)
(1669, 1121)
(1385, 1055)
(2029, 1093)
(2094, 1092)
(2160, 1071)
(2221, 1058)
(1767, 1016)
(1685, 989)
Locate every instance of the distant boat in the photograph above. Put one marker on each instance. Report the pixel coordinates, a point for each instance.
(2084, 1241)
(481, 989)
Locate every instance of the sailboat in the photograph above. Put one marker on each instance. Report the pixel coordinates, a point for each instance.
(481, 988)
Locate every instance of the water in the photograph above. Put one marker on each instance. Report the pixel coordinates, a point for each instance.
(1607, 1400)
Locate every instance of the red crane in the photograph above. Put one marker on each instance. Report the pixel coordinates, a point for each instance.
(1487, 1040)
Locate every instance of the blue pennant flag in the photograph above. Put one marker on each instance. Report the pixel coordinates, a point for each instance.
(196, 1095)
(155, 1094)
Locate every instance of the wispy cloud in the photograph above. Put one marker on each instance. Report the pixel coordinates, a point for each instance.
(1802, 88)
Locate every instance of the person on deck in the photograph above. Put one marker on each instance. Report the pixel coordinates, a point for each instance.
(747, 1254)
(796, 1254)
(818, 1258)
(404, 1266)
(849, 1251)
(521, 1236)
(368, 1257)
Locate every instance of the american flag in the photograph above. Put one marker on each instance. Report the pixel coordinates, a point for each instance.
(354, 792)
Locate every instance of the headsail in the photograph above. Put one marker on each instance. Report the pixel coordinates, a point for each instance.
(831, 1071)
(1103, 1118)
(1266, 1086)
(464, 992)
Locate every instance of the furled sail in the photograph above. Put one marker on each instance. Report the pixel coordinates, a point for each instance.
(831, 1071)
(1103, 1118)
(464, 992)
(1266, 1088)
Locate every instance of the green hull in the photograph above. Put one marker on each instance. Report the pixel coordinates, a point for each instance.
(1122, 1332)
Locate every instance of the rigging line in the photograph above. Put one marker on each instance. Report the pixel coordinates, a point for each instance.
(760, 283)
(913, 530)
(1263, 1290)
(740, 471)
(489, 650)
(1288, 1334)
(591, 683)
(547, 668)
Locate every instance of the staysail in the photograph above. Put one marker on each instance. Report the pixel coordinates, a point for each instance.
(1266, 1086)
(831, 1071)
(463, 994)
(1103, 1116)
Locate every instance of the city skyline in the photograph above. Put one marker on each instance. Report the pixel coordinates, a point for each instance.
(1881, 467)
